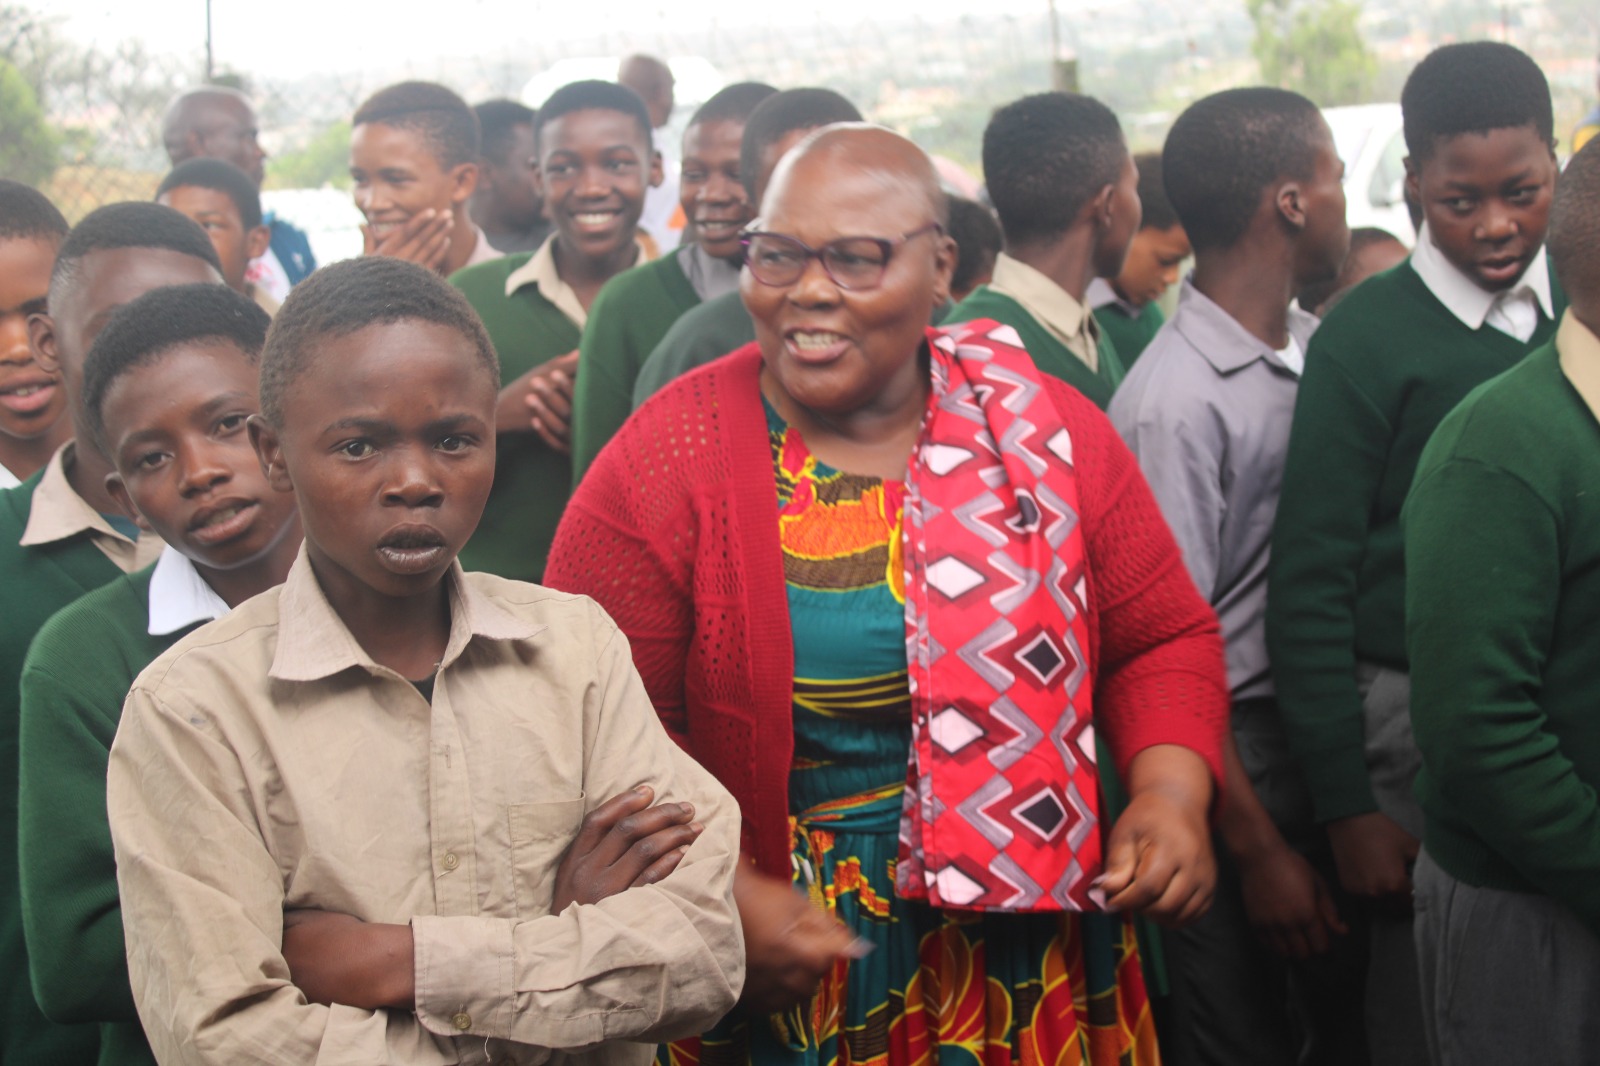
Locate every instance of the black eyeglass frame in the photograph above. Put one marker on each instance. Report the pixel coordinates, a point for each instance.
(887, 245)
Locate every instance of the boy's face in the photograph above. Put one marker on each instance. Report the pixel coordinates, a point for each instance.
(1486, 198)
(175, 431)
(387, 442)
(397, 175)
(31, 398)
(1151, 267)
(509, 184)
(709, 189)
(594, 167)
(1125, 212)
(1325, 240)
(104, 280)
(216, 213)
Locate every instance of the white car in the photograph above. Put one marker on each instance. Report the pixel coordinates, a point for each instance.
(1370, 140)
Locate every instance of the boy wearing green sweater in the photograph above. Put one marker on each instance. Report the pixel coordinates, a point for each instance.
(167, 386)
(1126, 307)
(638, 306)
(1066, 191)
(1502, 546)
(62, 534)
(33, 406)
(595, 162)
(1387, 364)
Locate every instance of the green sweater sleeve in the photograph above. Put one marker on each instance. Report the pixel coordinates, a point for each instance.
(1332, 472)
(1481, 603)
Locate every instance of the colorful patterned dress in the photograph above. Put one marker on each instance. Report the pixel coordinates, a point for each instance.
(939, 987)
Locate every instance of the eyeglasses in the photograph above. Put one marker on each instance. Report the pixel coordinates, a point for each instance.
(854, 263)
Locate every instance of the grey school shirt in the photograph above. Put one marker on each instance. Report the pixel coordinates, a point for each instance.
(1206, 410)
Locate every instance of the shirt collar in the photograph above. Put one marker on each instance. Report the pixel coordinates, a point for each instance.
(1055, 308)
(1222, 341)
(58, 511)
(708, 276)
(179, 596)
(1102, 294)
(1465, 298)
(314, 643)
(1579, 351)
(540, 272)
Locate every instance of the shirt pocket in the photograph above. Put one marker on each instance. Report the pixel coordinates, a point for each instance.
(540, 834)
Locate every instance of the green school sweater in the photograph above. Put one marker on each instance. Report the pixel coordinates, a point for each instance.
(76, 676)
(1502, 548)
(1129, 335)
(35, 583)
(630, 316)
(1049, 354)
(1383, 369)
(702, 334)
(531, 481)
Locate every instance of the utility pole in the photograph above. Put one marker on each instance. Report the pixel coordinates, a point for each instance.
(1063, 69)
(210, 68)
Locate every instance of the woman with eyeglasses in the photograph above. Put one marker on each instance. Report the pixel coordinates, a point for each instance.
(887, 582)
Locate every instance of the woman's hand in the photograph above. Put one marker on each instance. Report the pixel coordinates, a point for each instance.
(790, 945)
(622, 844)
(334, 958)
(1159, 860)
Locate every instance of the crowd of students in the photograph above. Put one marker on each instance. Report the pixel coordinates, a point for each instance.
(823, 621)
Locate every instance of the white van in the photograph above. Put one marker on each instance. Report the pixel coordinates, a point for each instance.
(1370, 140)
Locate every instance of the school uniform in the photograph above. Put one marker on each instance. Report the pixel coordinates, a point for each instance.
(318, 779)
(1130, 326)
(701, 334)
(54, 548)
(1502, 545)
(74, 681)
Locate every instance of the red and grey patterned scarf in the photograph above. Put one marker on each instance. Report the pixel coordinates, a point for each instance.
(1002, 798)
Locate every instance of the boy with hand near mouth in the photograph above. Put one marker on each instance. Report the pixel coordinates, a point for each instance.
(168, 386)
(414, 162)
(636, 308)
(32, 401)
(595, 162)
(222, 200)
(1125, 307)
(405, 754)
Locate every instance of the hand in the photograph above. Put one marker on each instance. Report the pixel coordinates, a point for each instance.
(1159, 860)
(1288, 903)
(541, 401)
(790, 945)
(1374, 857)
(334, 958)
(622, 845)
(424, 239)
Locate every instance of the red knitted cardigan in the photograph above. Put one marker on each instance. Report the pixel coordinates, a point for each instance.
(674, 530)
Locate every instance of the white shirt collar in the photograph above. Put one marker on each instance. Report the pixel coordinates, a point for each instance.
(1464, 297)
(179, 596)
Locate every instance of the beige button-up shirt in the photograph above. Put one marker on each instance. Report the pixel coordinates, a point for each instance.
(1069, 321)
(540, 272)
(59, 512)
(266, 763)
(1579, 351)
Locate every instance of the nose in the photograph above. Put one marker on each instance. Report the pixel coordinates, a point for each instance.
(14, 340)
(720, 189)
(592, 183)
(412, 482)
(1498, 224)
(201, 468)
(814, 287)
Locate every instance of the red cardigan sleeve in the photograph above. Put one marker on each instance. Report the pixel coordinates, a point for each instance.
(1161, 676)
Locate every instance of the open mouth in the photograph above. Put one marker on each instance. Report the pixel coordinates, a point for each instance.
(718, 229)
(596, 221)
(815, 346)
(28, 397)
(223, 522)
(1501, 269)
(413, 549)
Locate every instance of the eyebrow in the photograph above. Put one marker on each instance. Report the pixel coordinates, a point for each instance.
(35, 306)
(375, 427)
(206, 410)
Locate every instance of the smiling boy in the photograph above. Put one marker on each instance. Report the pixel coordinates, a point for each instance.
(1125, 306)
(404, 754)
(414, 165)
(32, 402)
(168, 385)
(592, 139)
(222, 200)
(636, 308)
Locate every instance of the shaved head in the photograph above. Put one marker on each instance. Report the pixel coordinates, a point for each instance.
(213, 122)
(892, 160)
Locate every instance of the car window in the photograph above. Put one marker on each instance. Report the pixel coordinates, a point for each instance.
(1388, 177)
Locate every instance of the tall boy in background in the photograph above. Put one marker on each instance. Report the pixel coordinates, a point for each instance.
(33, 405)
(1126, 306)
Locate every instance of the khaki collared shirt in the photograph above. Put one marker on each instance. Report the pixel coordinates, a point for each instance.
(266, 763)
(1069, 321)
(540, 272)
(58, 512)
(1579, 352)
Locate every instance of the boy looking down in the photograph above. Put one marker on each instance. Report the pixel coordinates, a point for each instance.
(1125, 306)
(33, 404)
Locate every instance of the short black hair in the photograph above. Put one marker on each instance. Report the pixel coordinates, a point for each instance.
(447, 125)
(130, 225)
(496, 121)
(780, 115)
(143, 330)
(347, 297)
(222, 176)
(592, 96)
(27, 214)
(1045, 156)
(1574, 233)
(977, 235)
(732, 102)
(1473, 88)
(1158, 210)
(1229, 146)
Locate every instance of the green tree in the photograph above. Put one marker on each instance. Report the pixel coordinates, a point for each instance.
(1314, 47)
(28, 148)
(324, 160)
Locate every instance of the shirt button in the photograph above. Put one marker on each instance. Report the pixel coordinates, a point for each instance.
(462, 1021)
(450, 862)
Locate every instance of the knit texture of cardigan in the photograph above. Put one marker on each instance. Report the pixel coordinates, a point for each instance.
(675, 532)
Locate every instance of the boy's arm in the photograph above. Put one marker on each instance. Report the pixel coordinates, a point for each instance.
(652, 963)
(1481, 601)
(602, 398)
(202, 905)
